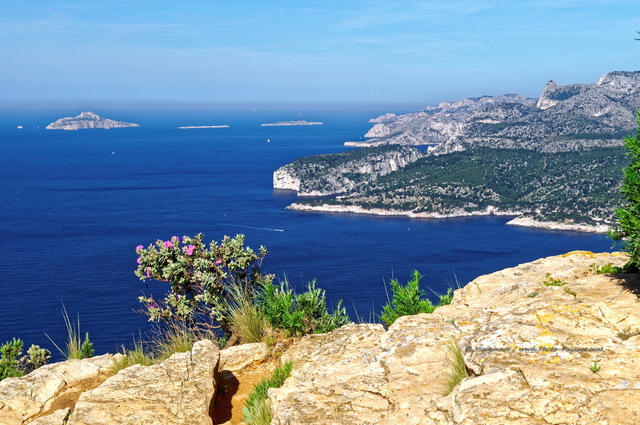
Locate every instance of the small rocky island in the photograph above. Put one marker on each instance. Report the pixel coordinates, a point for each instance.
(87, 120)
(300, 122)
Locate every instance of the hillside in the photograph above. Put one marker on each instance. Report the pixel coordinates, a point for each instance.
(578, 187)
(556, 159)
(563, 118)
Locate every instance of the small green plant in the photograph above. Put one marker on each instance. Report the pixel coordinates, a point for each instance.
(627, 333)
(36, 357)
(174, 337)
(410, 299)
(11, 365)
(570, 292)
(256, 410)
(550, 281)
(76, 347)
(137, 355)
(595, 367)
(299, 314)
(606, 269)
(9, 362)
(457, 368)
(533, 294)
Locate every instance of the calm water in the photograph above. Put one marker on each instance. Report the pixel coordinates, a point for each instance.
(74, 205)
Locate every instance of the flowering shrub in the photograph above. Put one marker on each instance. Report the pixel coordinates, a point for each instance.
(202, 277)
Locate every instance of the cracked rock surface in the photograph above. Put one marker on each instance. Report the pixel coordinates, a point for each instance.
(177, 391)
(536, 354)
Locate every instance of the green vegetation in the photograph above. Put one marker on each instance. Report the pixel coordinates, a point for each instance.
(256, 410)
(606, 269)
(76, 347)
(533, 294)
(579, 187)
(627, 333)
(627, 232)
(457, 368)
(410, 299)
(570, 292)
(217, 291)
(550, 281)
(12, 365)
(594, 367)
(299, 314)
(137, 355)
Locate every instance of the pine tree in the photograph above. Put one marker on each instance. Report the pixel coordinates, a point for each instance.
(627, 232)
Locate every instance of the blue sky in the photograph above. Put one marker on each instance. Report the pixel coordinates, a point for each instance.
(307, 52)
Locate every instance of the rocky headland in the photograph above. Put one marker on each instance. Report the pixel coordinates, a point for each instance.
(547, 342)
(87, 120)
(557, 160)
(323, 175)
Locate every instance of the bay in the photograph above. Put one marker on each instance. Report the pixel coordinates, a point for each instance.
(74, 204)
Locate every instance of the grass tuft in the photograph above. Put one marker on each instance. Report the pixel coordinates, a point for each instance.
(256, 410)
(76, 347)
(457, 368)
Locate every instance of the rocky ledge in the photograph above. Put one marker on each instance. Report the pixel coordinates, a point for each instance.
(87, 120)
(535, 354)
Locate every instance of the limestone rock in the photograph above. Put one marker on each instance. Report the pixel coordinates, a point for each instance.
(237, 358)
(564, 118)
(179, 391)
(536, 354)
(87, 120)
(321, 175)
(59, 417)
(50, 388)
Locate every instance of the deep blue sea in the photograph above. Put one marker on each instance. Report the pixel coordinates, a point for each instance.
(74, 205)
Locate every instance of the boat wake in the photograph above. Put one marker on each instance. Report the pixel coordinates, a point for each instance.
(252, 227)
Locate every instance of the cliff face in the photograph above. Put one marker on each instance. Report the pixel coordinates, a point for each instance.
(563, 118)
(87, 120)
(323, 175)
(535, 354)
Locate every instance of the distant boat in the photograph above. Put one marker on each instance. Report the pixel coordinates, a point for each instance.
(268, 140)
(19, 127)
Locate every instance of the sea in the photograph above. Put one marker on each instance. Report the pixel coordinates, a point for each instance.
(75, 204)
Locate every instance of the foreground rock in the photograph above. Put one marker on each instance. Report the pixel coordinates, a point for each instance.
(536, 354)
(179, 391)
(87, 120)
(51, 388)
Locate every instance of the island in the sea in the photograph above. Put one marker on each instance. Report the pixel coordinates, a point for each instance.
(203, 126)
(87, 120)
(300, 122)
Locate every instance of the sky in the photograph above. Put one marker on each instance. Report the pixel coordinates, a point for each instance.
(306, 52)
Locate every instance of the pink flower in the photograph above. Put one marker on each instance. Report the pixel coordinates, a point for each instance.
(148, 272)
(189, 249)
(175, 239)
(139, 260)
(168, 244)
(139, 247)
(219, 262)
(184, 239)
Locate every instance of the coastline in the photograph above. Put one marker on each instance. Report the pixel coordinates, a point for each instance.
(517, 221)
